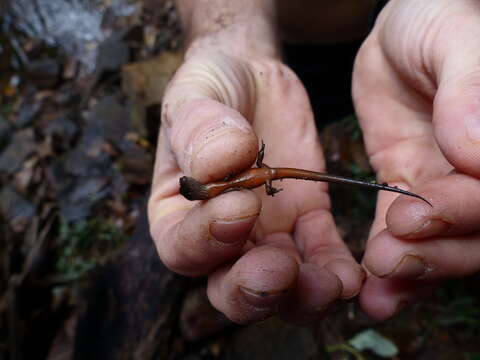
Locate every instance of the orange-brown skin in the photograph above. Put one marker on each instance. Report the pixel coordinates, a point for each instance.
(249, 179)
(264, 175)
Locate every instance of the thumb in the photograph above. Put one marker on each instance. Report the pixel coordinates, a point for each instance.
(456, 114)
(204, 116)
(204, 134)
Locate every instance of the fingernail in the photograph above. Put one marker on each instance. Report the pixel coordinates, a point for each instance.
(409, 267)
(232, 231)
(472, 125)
(429, 228)
(262, 299)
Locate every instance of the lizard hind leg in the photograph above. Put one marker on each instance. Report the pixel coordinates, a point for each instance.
(270, 190)
(261, 154)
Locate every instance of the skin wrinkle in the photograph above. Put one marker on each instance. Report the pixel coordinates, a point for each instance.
(287, 244)
(173, 207)
(291, 82)
(404, 95)
(306, 218)
(238, 87)
(427, 66)
(396, 154)
(250, 108)
(465, 78)
(222, 82)
(455, 23)
(320, 247)
(201, 91)
(207, 33)
(236, 218)
(428, 222)
(401, 262)
(211, 19)
(214, 243)
(431, 45)
(158, 228)
(422, 128)
(321, 250)
(416, 100)
(409, 61)
(398, 175)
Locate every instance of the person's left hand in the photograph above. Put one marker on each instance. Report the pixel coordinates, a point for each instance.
(416, 89)
(262, 255)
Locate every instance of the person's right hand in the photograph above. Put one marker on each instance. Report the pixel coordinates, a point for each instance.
(262, 255)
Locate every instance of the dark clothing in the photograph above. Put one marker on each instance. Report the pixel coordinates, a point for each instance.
(326, 72)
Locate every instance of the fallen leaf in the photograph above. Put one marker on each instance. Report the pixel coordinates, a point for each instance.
(374, 341)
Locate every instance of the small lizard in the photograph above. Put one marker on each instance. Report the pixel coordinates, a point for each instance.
(263, 174)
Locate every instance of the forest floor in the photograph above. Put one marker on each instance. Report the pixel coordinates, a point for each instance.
(81, 84)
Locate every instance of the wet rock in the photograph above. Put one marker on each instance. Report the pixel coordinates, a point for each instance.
(75, 26)
(75, 205)
(44, 73)
(81, 178)
(113, 53)
(145, 82)
(20, 147)
(109, 124)
(198, 318)
(80, 181)
(119, 185)
(5, 131)
(86, 174)
(70, 24)
(62, 126)
(70, 69)
(165, 17)
(26, 175)
(27, 113)
(110, 120)
(148, 79)
(17, 210)
(66, 95)
(136, 165)
(63, 130)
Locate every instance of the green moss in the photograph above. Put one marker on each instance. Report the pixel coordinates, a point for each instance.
(85, 245)
(350, 123)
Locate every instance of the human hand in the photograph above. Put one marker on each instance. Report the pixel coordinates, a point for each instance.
(416, 89)
(262, 255)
